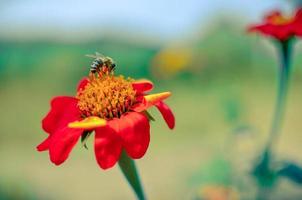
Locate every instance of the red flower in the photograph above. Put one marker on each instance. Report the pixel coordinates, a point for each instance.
(279, 26)
(113, 107)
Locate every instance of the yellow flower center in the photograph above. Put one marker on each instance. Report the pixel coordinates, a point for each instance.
(281, 20)
(106, 96)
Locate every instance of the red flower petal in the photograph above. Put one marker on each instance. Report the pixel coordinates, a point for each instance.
(44, 145)
(272, 15)
(280, 27)
(298, 15)
(63, 110)
(62, 142)
(134, 129)
(167, 114)
(142, 86)
(107, 147)
(280, 32)
(83, 82)
(298, 22)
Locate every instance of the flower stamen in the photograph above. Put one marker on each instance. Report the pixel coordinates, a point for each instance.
(106, 96)
(280, 20)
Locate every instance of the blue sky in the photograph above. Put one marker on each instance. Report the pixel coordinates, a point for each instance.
(167, 18)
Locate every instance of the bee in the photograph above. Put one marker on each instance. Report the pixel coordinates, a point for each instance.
(101, 64)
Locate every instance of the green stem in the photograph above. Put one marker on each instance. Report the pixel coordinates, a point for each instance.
(284, 75)
(129, 170)
(263, 170)
(263, 193)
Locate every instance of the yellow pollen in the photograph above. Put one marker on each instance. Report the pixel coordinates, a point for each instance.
(106, 96)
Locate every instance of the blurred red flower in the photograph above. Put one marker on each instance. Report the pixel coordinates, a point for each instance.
(279, 26)
(113, 107)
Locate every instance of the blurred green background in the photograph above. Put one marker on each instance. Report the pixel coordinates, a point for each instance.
(223, 82)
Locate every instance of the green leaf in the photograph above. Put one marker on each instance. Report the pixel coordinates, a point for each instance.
(292, 171)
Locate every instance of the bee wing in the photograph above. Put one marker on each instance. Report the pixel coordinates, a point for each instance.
(91, 56)
(109, 59)
(99, 55)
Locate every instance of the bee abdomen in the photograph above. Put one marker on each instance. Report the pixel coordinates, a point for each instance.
(96, 65)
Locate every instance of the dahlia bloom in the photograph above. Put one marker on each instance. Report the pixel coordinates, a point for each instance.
(279, 26)
(111, 106)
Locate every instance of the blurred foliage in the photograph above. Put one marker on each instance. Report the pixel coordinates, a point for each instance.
(297, 3)
(224, 52)
(17, 190)
(217, 171)
(171, 61)
(232, 107)
(24, 58)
